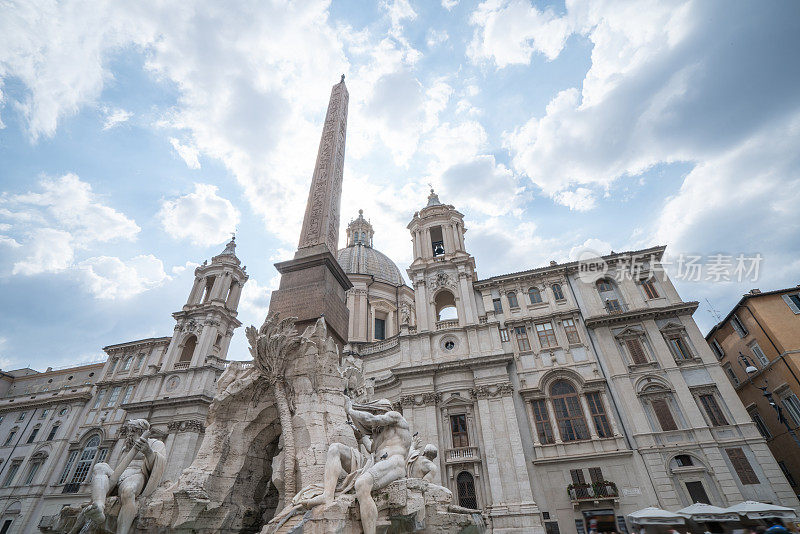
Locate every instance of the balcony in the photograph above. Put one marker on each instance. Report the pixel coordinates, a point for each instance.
(448, 323)
(594, 492)
(181, 365)
(461, 455)
(72, 487)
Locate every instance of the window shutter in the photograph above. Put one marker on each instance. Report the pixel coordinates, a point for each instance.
(595, 474)
(636, 351)
(742, 466)
(664, 415)
(577, 476)
(791, 303)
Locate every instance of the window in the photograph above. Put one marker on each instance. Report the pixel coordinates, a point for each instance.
(715, 415)
(503, 334)
(613, 306)
(188, 349)
(45, 413)
(684, 460)
(663, 414)
(437, 241)
(98, 399)
(738, 326)
(717, 348)
(12, 472)
(126, 365)
(596, 475)
(68, 466)
(542, 420)
(731, 374)
(551, 527)
(466, 491)
(498, 306)
(535, 295)
(680, 350)
(458, 430)
(649, 288)
(793, 301)
(762, 427)
(742, 466)
(512, 299)
(792, 405)
(577, 476)
(112, 398)
(52, 433)
(10, 437)
(636, 351)
(547, 337)
(557, 293)
(380, 328)
(787, 474)
(571, 331)
(86, 460)
(140, 359)
(32, 435)
(522, 338)
(6, 526)
(21, 416)
(697, 493)
(569, 416)
(36, 463)
(127, 396)
(604, 285)
(112, 366)
(598, 412)
(759, 354)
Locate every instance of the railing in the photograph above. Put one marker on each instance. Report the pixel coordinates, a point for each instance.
(379, 346)
(482, 320)
(181, 365)
(462, 454)
(244, 364)
(592, 492)
(72, 487)
(449, 323)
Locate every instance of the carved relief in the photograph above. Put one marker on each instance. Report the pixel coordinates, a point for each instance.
(491, 391)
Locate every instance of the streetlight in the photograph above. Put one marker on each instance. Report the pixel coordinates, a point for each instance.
(750, 369)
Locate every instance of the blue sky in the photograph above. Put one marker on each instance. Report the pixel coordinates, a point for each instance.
(135, 138)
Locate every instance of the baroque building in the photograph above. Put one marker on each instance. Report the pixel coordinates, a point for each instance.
(557, 396)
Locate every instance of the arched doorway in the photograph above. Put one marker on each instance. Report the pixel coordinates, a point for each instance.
(188, 349)
(445, 306)
(466, 490)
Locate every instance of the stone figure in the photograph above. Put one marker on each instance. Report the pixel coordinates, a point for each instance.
(386, 437)
(421, 462)
(137, 475)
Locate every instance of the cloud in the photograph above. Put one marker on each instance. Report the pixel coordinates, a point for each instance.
(482, 184)
(110, 278)
(449, 4)
(590, 248)
(189, 154)
(581, 199)
(254, 304)
(436, 37)
(203, 217)
(46, 251)
(115, 117)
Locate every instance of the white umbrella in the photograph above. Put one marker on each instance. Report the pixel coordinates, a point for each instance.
(760, 510)
(656, 516)
(705, 512)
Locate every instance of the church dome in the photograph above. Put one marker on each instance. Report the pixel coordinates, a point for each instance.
(360, 258)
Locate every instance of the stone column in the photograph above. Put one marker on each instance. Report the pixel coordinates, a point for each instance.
(551, 413)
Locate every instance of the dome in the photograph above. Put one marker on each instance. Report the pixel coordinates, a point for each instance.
(361, 259)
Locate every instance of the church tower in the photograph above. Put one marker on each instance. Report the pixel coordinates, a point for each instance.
(206, 323)
(442, 271)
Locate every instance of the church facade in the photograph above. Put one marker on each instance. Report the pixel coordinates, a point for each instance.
(558, 397)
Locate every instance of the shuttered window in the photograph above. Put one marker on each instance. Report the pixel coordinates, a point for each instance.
(522, 339)
(577, 476)
(715, 415)
(596, 475)
(742, 466)
(458, 429)
(636, 351)
(663, 414)
(542, 420)
(598, 414)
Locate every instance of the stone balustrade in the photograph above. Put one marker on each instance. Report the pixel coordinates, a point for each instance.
(462, 454)
(448, 323)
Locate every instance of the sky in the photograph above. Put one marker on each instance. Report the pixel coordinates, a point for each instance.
(136, 136)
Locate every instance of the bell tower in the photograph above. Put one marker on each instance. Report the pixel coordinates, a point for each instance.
(206, 323)
(442, 271)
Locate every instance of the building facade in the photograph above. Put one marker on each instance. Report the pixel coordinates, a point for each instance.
(56, 425)
(762, 333)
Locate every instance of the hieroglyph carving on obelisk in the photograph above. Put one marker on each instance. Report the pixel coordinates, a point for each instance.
(321, 221)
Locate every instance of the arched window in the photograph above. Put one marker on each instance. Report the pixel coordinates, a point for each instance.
(569, 415)
(34, 465)
(86, 460)
(557, 293)
(126, 365)
(512, 299)
(188, 349)
(445, 306)
(535, 295)
(466, 490)
(32, 435)
(609, 296)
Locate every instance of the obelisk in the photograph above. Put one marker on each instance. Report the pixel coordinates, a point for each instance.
(313, 284)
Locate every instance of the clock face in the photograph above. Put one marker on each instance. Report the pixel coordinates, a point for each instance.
(172, 383)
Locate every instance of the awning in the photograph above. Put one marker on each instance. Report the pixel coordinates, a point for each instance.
(760, 510)
(655, 516)
(705, 512)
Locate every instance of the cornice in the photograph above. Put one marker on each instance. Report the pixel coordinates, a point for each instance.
(642, 313)
(28, 402)
(176, 401)
(461, 363)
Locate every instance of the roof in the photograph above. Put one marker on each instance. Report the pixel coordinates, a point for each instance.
(754, 293)
(362, 259)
